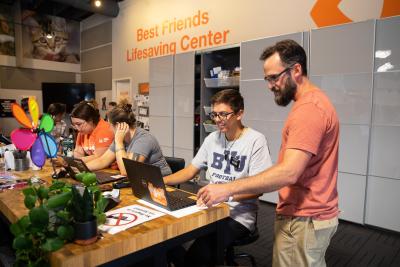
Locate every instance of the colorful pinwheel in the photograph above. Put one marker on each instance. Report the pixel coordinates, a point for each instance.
(33, 137)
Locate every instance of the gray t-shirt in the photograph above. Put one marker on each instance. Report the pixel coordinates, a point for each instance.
(227, 161)
(143, 143)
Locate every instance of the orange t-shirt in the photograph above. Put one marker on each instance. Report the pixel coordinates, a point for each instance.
(313, 126)
(102, 136)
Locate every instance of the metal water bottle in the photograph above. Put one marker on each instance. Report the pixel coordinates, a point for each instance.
(68, 146)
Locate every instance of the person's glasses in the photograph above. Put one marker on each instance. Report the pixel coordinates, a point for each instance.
(220, 115)
(272, 79)
(78, 125)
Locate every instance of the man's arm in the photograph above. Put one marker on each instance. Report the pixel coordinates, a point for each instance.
(285, 173)
(181, 176)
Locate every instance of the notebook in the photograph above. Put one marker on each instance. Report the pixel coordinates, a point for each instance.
(148, 184)
(76, 166)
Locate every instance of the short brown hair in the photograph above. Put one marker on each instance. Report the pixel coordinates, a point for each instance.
(231, 97)
(86, 110)
(290, 53)
(55, 109)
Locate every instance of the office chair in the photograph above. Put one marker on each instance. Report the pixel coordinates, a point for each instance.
(230, 251)
(176, 164)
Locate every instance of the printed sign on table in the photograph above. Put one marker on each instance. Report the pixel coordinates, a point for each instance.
(127, 217)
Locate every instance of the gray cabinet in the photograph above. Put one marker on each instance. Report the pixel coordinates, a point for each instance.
(261, 112)
(184, 106)
(171, 108)
(161, 101)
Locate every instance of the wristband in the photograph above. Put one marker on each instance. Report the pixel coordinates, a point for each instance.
(230, 199)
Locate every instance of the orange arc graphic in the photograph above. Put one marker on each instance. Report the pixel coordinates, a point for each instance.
(327, 12)
(390, 8)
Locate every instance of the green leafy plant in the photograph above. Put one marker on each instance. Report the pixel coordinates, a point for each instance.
(52, 213)
(46, 227)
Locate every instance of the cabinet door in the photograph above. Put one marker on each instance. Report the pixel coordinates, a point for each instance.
(183, 105)
(383, 199)
(351, 189)
(161, 100)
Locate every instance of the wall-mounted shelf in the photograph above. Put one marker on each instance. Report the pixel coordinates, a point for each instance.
(228, 82)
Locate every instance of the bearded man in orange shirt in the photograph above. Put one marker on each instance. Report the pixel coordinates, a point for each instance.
(307, 167)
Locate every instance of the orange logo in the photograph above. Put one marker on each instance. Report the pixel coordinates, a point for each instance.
(327, 12)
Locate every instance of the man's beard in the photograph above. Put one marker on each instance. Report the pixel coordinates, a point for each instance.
(286, 95)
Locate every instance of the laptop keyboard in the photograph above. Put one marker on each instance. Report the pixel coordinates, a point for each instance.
(179, 200)
(104, 177)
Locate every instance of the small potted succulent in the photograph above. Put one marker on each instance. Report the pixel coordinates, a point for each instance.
(86, 208)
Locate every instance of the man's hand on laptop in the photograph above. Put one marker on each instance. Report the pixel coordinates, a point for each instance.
(200, 204)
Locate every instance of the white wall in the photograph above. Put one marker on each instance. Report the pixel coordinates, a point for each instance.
(245, 20)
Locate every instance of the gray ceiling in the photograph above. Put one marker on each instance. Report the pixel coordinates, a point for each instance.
(77, 10)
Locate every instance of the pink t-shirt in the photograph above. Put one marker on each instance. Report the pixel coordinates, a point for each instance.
(312, 126)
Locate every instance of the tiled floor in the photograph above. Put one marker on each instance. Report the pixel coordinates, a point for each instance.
(352, 245)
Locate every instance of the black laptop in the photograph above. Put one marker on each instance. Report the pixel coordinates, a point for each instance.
(76, 166)
(148, 184)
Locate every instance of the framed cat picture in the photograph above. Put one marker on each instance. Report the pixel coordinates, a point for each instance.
(50, 38)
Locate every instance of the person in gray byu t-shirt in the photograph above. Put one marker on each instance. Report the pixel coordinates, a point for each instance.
(231, 153)
(130, 142)
(230, 160)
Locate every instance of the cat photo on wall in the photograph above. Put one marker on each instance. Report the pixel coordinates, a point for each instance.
(50, 38)
(7, 42)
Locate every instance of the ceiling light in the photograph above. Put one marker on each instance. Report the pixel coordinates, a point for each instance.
(49, 35)
(97, 3)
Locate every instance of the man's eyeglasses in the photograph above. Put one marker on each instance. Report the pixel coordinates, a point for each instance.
(220, 115)
(272, 79)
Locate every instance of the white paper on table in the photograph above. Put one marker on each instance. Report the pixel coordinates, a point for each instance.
(121, 219)
(177, 213)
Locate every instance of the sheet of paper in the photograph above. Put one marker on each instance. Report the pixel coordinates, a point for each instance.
(178, 213)
(121, 219)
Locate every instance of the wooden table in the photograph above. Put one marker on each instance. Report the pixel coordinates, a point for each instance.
(149, 239)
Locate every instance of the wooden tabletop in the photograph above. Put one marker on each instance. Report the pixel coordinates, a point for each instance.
(112, 247)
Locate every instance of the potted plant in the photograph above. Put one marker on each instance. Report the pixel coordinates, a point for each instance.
(51, 218)
(46, 227)
(87, 209)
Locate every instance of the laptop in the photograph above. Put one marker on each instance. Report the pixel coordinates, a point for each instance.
(75, 166)
(148, 184)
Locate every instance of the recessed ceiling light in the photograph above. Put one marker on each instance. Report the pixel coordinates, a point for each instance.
(97, 3)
